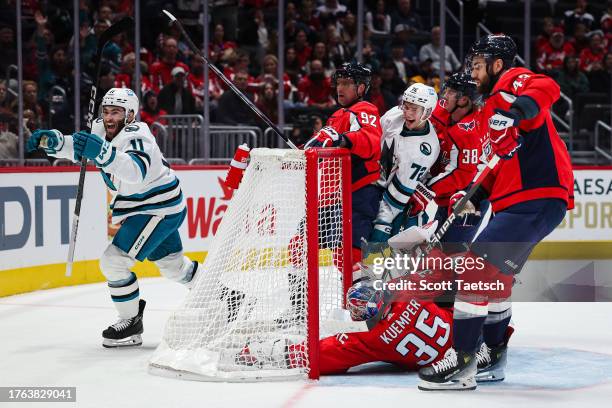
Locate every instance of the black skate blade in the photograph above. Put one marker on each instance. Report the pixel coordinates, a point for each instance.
(456, 385)
(132, 341)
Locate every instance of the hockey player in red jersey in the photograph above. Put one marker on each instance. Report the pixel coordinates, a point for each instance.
(530, 191)
(356, 126)
(457, 122)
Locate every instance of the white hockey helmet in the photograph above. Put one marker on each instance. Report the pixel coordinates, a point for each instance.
(421, 95)
(124, 98)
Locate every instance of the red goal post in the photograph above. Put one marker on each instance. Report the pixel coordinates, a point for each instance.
(316, 172)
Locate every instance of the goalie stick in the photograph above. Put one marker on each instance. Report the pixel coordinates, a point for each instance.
(94, 104)
(251, 105)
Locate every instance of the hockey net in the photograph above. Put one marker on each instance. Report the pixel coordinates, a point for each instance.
(278, 267)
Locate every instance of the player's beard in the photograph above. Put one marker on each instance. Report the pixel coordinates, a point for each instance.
(485, 86)
(113, 130)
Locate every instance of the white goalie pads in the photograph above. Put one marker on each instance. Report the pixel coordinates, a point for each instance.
(413, 236)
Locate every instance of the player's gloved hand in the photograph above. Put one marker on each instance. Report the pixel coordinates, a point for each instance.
(420, 199)
(92, 147)
(50, 140)
(455, 198)
(504, 133)
(326, 137)
(381, 232)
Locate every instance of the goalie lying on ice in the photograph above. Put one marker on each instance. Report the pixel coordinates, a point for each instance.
(411, 334)
(147, 202)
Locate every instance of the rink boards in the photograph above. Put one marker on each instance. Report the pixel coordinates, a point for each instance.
(36, 206)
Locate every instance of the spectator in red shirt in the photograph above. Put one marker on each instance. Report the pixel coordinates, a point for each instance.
(594, 54)
(151, 111)
(554, 52)
(379, 97)
(195, 79)
(125, 78)
(302, 48)
(267, 100)
(315, 88)
(160, 71)
(238, 61)
(269, 74)
(219, 49)
(543, 38)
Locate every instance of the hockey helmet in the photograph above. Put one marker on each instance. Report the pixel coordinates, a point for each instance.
(421, 95)
(494, 46)
(462, 83)
(363, 301)
(124, 98)
(359, 73)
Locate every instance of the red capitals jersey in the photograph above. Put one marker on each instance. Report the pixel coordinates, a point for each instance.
(588, 58)
(161, 73)
(461, 146)
(411, 335)
(551, 58)
(541, 168)
(360, 124)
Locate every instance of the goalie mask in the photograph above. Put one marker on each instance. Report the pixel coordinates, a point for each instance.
(363, 301)
(124, 98)
(421, 95)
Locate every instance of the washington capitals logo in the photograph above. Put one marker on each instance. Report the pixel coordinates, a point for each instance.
(467, 126)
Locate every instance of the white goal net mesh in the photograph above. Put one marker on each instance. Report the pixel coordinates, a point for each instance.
(253, 287)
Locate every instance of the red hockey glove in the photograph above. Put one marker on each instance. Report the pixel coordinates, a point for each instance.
(455, 198)
(420, 199)
(326, 137)
(503, 133)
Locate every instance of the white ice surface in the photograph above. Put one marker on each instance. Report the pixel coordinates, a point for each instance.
(560, 356)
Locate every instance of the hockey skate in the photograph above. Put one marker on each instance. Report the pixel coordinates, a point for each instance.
(456, 371)
(194, 271)
(126, 332)
(491, 363)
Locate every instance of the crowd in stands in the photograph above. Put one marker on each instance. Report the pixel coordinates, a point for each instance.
(576, 50)
(399, 46)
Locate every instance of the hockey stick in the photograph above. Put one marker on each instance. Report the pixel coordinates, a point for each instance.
(461, 204)
(94, 104)
(434, 239)
(227, 82)
(416, 235)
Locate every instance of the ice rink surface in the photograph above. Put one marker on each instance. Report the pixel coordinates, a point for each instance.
(560, 356)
